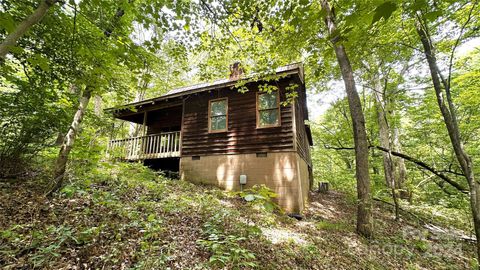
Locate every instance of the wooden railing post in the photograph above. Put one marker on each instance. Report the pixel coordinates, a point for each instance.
(161, 145)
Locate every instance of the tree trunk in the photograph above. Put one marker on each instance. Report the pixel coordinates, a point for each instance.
(23, 27)
(364, 211)
(69, 139)
(442, 89)
(134, 129)
(67, 145)
(384, 134)
(401, 169)
(375, 169)
(98, 105)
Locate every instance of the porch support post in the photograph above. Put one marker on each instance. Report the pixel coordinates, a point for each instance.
(145, 123)
(143, 139)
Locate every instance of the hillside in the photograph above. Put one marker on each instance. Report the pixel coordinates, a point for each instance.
(123, 216)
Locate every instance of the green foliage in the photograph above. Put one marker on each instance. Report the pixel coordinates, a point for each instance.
(50, 244)
(422, 135)
(127, 211)
(226, 249)
(260, 196)
(474, 263)
(333, 226)
(310, 253)
(32, 113)
(78, 45)
(335, 167)
(124, 213)
(421, 245)
(384, 11)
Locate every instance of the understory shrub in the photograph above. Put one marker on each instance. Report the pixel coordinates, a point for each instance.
(226, 248)
(260, 196)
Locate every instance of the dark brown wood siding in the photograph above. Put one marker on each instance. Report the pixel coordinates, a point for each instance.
(163, 120)
(302, 144)
(242, 136)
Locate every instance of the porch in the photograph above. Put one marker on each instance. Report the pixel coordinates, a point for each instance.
(153, 146)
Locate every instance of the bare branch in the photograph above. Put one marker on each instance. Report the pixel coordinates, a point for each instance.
(457, 42)
(416, 162)
(427, 167)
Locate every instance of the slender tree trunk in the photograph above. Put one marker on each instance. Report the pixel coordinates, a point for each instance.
(364, 211)
(69, 139)
(134, 129)
(98, 105)
(375, 169)
(23, 27)
(348, 164)
(384, 134)
(447, 108)
(401, 169)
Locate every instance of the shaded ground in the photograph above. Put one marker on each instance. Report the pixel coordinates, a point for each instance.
(136, 220)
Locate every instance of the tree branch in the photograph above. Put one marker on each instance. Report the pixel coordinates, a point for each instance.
(338, 148)
(423, 222)
(427, 167)
(215, 17)
(417, 162)
(457, 42)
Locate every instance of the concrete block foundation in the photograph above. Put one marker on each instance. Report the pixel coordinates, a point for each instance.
(286, 173)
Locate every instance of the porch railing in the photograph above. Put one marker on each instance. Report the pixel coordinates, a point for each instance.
(162, 145)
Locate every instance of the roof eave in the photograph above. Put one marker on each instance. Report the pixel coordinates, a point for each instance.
(296, 68)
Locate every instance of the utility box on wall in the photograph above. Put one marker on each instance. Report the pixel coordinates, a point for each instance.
(243, 179)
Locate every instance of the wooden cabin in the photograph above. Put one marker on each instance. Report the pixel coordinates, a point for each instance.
(211, 133)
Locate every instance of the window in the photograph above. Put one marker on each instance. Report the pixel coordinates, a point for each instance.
(217, 115)
(268, 109)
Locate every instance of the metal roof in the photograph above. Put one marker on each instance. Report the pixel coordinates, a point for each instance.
(295, 68)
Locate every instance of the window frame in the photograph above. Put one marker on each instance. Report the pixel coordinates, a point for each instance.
(210, 130)
(279, 122)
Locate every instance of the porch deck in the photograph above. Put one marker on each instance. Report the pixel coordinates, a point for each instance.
(154, 146)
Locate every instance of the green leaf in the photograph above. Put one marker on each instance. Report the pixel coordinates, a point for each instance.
(69, 191)
(384, 11)
(432, 16)
(40, 61)
(249, 197)
(7, 22)
(16, 49)
(419, 5)
(269, 206)
(151, 217)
